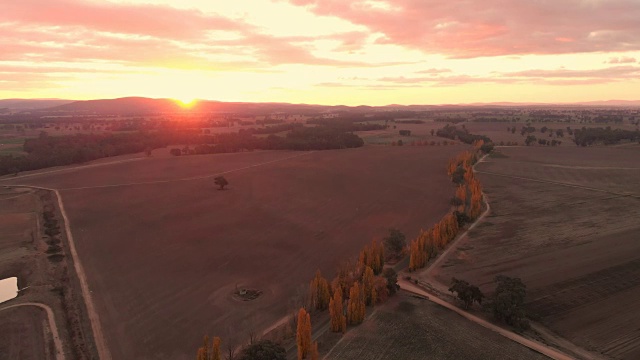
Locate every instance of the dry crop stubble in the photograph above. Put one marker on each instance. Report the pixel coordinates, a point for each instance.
(163, 258)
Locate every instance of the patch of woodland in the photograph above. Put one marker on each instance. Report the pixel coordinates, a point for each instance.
(604, 136)
(47, 151)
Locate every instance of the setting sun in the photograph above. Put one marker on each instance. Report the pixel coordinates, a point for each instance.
(185, 102)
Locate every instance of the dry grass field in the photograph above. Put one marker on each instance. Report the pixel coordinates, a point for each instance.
(23, 334)
(565, 220)
(164, 250)
(411, 328)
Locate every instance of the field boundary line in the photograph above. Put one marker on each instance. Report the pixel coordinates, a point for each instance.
(52, 325)
(188, 178)
(64, 168)
(560, 184)
(94, 319)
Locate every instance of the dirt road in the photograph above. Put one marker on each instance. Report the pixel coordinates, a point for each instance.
(103, 350)
(543, 349)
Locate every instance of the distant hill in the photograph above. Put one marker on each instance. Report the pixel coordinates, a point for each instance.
(129, 105)
(611, 103)
(145, 106)
(31, 104)
(141, 105)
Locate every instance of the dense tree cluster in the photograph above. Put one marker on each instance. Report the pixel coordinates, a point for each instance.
(508, 302)
(454, 133)
(466, 292)
(606, 136)
(353, 118)
(410, 121)
(46, 151)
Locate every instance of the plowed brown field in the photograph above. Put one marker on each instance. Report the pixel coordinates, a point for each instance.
(565, 220)
(164, 250)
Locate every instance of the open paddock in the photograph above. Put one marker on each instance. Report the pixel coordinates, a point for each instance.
(565, 220)
(164, 250)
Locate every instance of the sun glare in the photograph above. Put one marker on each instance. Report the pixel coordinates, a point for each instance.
(186, 102)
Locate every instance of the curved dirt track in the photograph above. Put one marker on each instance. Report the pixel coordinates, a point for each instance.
(52, 325)
(429, 272)
(545, 350)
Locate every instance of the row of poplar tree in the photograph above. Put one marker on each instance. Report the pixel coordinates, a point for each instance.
(468, 206)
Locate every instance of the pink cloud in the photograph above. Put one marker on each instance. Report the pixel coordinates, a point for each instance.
(463, 28)
(620, 72)
(622, 60)
(150, 20)
(548, 77)
(151, 35)
(434, 71)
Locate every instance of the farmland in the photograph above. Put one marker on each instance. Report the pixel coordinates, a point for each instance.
(47, 317)
(164, 250)
(565, 221)
(412, 328)
(22, 334)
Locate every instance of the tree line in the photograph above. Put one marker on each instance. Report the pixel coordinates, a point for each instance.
(454, 133)
(468, 206)
(606, 136)
(47, 151)
(355, 286)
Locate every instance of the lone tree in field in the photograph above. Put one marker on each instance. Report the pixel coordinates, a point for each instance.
(394, 243)
(221, 181)
(508, 302)
(466, 292)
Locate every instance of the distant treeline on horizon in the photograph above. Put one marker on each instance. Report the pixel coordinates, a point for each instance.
(47, 151)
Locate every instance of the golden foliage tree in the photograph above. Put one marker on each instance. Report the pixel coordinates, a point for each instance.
(372, 256)
(336, 312)
(346, 274)
(209, 351)
(356, 305)
(314, 354)
(303, 334)
(368, 286)
(320, 292)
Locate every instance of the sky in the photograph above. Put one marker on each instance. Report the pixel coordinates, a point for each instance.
(373, 52)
